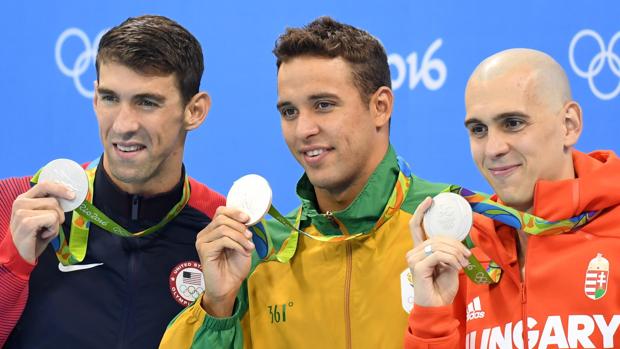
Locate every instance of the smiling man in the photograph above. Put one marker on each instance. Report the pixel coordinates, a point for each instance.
(557, 290)
(120, 295)
(347, 275)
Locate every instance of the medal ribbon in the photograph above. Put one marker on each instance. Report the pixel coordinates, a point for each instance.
(262, 239)
(73, 251)
(523, 221)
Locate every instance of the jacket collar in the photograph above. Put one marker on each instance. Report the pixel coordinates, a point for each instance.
(117, 204)
(596, 187)
(363, 212)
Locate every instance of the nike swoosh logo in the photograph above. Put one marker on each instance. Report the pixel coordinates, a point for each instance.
(76, 267)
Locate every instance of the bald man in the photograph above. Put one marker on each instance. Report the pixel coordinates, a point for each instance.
(556, 290)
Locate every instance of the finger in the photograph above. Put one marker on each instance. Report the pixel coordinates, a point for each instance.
(224, 221)
(232, 213)
(435, 260)
(413, 258)
(46, 203)
(49, 233)
(415, 223)
(453, 243)
(446, 245)
(224, 226)
(44, 224)
(214, 249)
(45, 189)
(226, 232)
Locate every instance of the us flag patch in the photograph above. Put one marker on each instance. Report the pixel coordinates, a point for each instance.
(186, 282)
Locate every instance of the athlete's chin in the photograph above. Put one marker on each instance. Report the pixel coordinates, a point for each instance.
(515, 198)
(327, 181)
(129, 175)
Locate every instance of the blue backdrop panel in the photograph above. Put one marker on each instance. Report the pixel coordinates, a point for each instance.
(47, 74)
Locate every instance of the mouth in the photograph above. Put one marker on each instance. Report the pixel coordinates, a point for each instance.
(503, 171)
(128, 149)
(314, 155)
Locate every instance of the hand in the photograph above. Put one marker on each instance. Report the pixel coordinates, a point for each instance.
(435, 275)
(36, 217)
(225, 250)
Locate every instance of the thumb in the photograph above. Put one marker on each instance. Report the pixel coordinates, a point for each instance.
(415, 223)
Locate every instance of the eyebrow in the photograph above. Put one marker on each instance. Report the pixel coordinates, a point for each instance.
(499, 117)
(154, 96)
(105, 91)
(311, 98)
(322, 96)
(283, 104)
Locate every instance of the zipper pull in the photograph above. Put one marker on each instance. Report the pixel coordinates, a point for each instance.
(135, 206)
(330, 217)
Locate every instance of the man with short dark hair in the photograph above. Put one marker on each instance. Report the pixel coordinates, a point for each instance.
(559, 278)
(125, 290)
(342, 282)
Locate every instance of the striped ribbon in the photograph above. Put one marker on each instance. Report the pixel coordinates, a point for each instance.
(73, 250)
(522, 221)
(263, 242)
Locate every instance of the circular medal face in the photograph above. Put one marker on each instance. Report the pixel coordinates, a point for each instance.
(449, 216)
(70, 174)
(252, 195)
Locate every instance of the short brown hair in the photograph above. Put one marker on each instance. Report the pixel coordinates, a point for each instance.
(155, 45)
(327, 37)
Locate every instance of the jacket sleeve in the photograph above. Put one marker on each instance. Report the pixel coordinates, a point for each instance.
(438, 327)
(194, 328)
(14, 270)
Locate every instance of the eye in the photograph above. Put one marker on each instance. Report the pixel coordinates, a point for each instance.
(324, 106)
(477, 130)
(108, 99)
(289, 113)
(514, 124)
(148, 103)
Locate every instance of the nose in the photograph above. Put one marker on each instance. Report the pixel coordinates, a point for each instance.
(306, 125)
(496, 145)
(126, 120)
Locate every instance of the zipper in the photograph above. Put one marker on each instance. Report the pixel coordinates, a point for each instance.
(347, 280)
(135, 207)
(523, 291)
(347, 295)
(330, 217)
(126, 330)
(525, 333)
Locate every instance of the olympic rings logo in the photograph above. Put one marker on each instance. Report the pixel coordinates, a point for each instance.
(190, 292)
(82, 61)
(598, 61)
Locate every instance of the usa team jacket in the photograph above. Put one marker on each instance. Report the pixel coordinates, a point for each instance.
(352, 294)
(125, 302)
(570, 297)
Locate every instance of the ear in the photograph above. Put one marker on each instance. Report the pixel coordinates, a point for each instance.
(381, 105)
(573, 123)
(196, 110)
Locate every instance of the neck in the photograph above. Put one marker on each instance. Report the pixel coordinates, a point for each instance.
(149, 187)
(338, 199)
(152, 188)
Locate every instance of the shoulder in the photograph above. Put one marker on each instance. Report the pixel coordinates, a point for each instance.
(12, 187)
(204, 199)
(419, 190)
